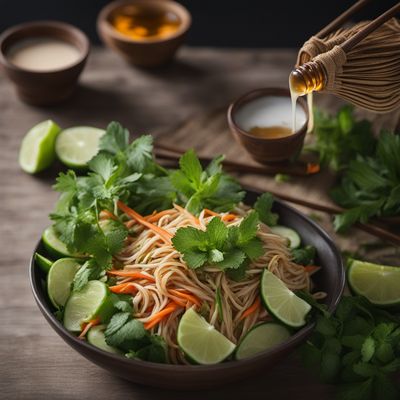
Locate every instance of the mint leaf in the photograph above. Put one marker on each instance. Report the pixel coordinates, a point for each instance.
(189, 238)
(191, 168)
(304, 255)
(248, 227)
(195, 259)
(217, 232)
(155, 351)
(263, 206)
(368, 349)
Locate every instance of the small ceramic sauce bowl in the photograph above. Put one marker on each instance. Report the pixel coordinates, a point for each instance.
(50, 86)
(149, 51)
(254, 106)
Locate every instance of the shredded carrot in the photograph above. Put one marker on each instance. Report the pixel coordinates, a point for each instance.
(126, 288)
(209, 212)
(87, 326)
(105, 214)
(132, 274)
(155, 217)
(165, 235)
(252, 308)
(191, 216)
(228, 217)
(193, 299)
(158, 317)
(312, 168)
(311, 268)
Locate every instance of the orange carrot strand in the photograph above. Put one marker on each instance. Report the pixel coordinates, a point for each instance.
(193, 299)
(158, 317)
(132, 274)
(251, 309)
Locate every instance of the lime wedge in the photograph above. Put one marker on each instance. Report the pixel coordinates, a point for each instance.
(90, 302)
(260, 338)
(281, 302)
(37, 148)
(380, 284)
(59, 280)
(96, 337)
(55, 246)
(75, 147)
(43, 263)
(288, 233)
(201, 341)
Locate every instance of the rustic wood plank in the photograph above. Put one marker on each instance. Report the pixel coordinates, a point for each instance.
(36, 363)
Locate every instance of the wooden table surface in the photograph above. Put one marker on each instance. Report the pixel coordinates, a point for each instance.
(180, 104)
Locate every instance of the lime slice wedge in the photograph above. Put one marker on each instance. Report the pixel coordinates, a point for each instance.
(288, 233)
(96, 337)
(201, 341)
(75, 147)
(281, 302)
(55, 246)
(59, 280)
(37, 148)
(43, 263)
(260, 338)
(86, 304)
(380, 284)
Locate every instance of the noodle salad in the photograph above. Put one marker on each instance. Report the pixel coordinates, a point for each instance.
(169, 265)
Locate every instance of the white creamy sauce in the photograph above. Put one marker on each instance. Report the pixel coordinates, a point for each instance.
(269, 111)
(43, 54)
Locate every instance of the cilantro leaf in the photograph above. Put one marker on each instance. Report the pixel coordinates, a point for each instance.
(103, 165)
(263, 206)
(115, 139)
(89, 271)
(139, 153)
(155, 351)
(304, 255)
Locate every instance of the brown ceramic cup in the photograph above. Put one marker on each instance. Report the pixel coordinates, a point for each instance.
(44, 87)
(147, 52)
(267, 150)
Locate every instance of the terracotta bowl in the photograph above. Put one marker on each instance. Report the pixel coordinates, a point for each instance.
(147, 52)
(329, 279)
(44, 87)
(264, 150)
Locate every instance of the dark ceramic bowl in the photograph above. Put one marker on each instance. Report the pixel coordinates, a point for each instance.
(148, 52)
(263, 150)
(329, 279)
(44, 87)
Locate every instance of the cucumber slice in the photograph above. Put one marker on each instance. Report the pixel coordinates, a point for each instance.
(288, 233)
(59, 280)
(380, 284)
(96, 337)
(75, 147)
(260, 338)
(55, 246)
(37, 148)
(201, 341)
(90, 302)
(281, 302)
(43, 263)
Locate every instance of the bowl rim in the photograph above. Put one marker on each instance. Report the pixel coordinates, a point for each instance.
(51, 24)
(175, 7)
(296, 339)
(272, 91)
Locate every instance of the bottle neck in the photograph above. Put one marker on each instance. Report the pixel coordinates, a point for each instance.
(308, 78)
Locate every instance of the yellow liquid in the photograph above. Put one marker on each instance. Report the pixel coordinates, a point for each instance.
(140, 23)
(270, 132)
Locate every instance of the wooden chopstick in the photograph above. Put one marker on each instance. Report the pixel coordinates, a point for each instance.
(369, 228)
(342, 18)
(375, 24)
(296, 169)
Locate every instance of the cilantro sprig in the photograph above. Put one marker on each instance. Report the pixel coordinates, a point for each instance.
(219, 245)
(357, 348)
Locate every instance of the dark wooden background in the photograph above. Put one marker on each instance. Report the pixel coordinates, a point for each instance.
(183, 103)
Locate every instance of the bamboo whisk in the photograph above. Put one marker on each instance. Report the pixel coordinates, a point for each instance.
(360, 64)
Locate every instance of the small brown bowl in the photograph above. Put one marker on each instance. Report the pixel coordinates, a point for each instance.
(146, 52)
(265, 150)
(44, 87)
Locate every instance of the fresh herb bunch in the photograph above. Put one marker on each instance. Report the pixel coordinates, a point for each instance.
(128, 172)
(370, 168)
(340, 138)
(371, 185)
(357, 348)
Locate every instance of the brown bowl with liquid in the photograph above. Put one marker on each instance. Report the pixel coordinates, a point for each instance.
(261, 121)
(44, 60)
(146, 33)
